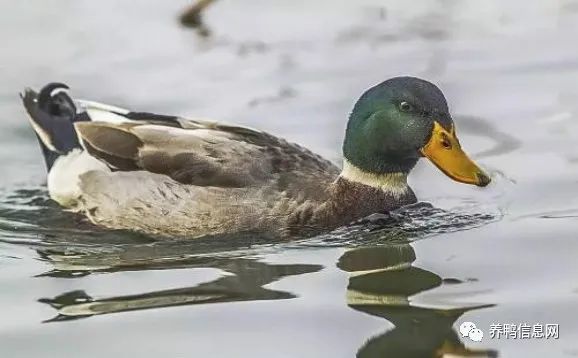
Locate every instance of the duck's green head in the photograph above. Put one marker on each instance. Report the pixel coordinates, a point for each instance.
(400, 120)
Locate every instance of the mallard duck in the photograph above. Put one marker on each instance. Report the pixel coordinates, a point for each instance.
(177, 177)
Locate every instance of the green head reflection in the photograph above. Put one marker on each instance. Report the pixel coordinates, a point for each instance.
(382, 283)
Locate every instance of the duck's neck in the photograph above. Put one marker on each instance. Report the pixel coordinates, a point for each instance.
(356, 194)
(394, 184)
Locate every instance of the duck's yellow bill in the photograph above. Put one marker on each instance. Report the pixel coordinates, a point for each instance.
(445, 151)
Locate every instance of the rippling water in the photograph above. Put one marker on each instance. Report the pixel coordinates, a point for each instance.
(398, 285)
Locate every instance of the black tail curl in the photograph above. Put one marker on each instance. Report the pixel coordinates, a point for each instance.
(52, 115)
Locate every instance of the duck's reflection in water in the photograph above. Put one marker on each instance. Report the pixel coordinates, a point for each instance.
(245, 284)
(381, 283)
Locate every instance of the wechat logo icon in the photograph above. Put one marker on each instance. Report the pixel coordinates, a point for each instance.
(469, 329)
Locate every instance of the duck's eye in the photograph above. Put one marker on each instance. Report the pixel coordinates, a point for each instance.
(405, 106)
(446, 142)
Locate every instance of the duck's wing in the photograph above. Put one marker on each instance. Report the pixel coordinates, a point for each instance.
(199, 152)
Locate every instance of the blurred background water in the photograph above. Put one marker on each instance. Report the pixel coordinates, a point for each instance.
(398, 286)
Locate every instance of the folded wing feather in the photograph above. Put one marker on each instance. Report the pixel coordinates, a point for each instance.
(200, 153)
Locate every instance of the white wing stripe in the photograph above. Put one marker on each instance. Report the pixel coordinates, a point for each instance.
(100, 106)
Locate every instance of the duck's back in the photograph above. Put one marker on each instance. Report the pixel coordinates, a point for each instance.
(198, 179)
